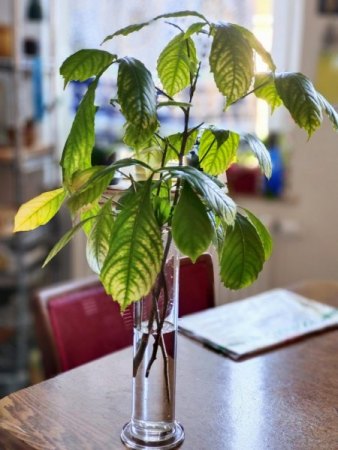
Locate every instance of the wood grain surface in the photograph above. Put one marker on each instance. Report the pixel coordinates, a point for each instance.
(284, 399)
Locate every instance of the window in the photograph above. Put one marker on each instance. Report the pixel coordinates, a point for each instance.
(89, 24)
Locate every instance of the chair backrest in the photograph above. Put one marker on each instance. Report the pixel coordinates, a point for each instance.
(196, 290)
(77, 322)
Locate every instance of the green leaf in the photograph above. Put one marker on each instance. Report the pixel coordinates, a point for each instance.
(257, 46)
(262, 232)
(135, 253)
(266, 90)
(152, 156)
(91, 190)
(301, 99)
(162, 210)
(185, 13)
(81, 177)
(79, 145)
(136, 27)
(231, 62)
(219, 233)
(39, 210)
(176, 64)
(65, 239)
(329, 110)
(165, 188)
(173, 103)
(242, 255)
(217, 150)
(91, 212)
(99, 180)
(194, 28)
(260, 151)
(191, 227)
(85, 64)
(137, 97)
(214, 196)
(99, 238)
(126, 30)
(175, 144)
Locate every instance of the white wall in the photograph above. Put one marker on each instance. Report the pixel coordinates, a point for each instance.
(304, 224)
(314, 181)
(306, 246)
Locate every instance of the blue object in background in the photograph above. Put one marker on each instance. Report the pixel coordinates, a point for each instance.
(37, 88)
(274, 186)
(79, 88)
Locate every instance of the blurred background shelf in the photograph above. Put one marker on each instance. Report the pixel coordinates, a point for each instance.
(26, 66)
(28, 155)
(36, 152)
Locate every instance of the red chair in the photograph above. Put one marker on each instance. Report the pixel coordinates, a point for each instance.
(77, 322)
(196, 290)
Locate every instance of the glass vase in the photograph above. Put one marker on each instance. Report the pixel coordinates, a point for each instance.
(153, 424)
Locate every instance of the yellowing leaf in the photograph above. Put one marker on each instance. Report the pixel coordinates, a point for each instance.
(135, 253)
(93, 211)
(257, 46)
(266, 90)
(80, 178)
(231, 62)
(99, 237)
(177, 63)
(39, 210)
(217, 150)
(175, 144)
(91, 189)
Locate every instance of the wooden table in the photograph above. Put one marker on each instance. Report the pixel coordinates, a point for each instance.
(284, 399)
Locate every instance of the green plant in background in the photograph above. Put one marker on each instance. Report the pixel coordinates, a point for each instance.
(124, 244)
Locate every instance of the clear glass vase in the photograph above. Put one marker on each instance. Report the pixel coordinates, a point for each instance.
(153, 424)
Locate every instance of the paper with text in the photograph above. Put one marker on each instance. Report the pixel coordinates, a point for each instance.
(259, 322)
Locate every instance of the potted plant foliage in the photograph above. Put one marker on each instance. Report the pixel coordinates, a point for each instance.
(132, 239)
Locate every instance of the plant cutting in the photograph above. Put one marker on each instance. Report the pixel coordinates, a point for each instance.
(180, 203)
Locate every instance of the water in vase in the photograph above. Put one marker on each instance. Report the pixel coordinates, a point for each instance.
(154, 387)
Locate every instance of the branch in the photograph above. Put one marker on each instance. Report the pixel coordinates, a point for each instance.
(252, 91)
(161, 92)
